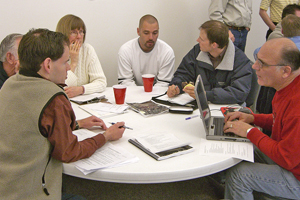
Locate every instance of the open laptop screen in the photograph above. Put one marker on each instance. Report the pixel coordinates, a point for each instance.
(202, 102)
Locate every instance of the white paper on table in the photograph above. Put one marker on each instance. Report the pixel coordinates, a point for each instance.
(106, 107)
(159, 141)
(107, 156)
(181, 99)
(87, 97)
(240, 150)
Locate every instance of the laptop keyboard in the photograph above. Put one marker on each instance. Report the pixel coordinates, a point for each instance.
(219, 124)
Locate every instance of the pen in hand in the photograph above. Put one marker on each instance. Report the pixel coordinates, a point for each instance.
(112, 123)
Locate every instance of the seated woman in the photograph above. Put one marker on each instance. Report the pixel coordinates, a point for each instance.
(86, 75)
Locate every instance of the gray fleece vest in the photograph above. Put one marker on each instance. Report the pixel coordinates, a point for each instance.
(24, 151)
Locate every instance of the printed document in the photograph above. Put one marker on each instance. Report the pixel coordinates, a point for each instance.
(107, 156)
(240, 150)
(181, 99)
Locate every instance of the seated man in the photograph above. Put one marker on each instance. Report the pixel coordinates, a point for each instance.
(225, 70)
(37, 119)
(9, 56)
(146, 55)
(276, 170)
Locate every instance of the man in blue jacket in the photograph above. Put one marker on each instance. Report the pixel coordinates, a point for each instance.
(225, 69)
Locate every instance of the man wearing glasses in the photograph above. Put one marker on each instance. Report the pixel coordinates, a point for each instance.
(276, 170)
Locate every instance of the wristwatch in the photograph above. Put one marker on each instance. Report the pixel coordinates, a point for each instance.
(77, 126)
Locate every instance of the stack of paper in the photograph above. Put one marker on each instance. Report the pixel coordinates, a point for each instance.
(107, 156)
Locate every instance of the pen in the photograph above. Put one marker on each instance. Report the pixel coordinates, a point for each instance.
(112, 123)
(191, 117)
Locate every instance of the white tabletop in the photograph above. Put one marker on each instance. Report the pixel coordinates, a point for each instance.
(147, 169)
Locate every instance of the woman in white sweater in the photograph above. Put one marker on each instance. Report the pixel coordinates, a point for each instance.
(86, 75)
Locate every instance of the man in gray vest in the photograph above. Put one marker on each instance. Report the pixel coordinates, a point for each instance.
(37, 120)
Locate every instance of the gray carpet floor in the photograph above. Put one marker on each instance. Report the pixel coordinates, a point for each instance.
(205, 188)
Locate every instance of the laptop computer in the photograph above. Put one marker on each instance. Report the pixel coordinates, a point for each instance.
(213, 125)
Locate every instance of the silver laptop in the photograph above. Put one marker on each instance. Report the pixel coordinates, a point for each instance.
(213, 125)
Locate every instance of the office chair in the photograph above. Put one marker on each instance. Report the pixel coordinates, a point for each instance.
(254, 91)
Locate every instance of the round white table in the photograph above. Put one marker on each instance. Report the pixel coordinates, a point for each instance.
(148, 170)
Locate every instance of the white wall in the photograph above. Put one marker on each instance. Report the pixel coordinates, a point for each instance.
(110, 23)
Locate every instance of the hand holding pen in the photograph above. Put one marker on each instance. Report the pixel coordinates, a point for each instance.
(173, 90)
(114, 132)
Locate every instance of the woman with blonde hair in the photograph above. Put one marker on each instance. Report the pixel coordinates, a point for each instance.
(86, 75)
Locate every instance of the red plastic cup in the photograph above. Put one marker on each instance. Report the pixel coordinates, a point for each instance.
(148, 80)
(119, 91)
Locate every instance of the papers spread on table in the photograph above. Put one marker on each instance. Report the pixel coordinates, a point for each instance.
(102, 110)
(240, 150)
(107, 156)
(148, 108)
(181, 99)
(88, 98)
(161, 145)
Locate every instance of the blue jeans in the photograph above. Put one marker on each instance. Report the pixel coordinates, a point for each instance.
(240, 38)
(263, 176)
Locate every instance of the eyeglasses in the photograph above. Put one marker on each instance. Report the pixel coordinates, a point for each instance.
(74, 33)
(261, 64)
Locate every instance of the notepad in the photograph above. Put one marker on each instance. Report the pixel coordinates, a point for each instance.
(161, 146)
(88, 98)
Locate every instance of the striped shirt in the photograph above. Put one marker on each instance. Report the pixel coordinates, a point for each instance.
(276, 7)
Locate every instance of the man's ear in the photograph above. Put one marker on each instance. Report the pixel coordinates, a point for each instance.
(10, 58)
(215, 45)
(46, 65)
(138, 31)
(287, 70)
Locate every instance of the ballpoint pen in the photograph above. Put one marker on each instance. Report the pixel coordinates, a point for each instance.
(112, 123)
(191, 117)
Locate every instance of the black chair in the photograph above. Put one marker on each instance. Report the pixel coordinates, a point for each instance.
(252, 96)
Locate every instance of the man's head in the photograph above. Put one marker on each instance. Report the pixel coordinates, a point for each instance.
(46, 53)
(291, 9)
(148, 31)
(291, 26)
(73, 27)
(277, 63)
(9, 53)
(213, 34)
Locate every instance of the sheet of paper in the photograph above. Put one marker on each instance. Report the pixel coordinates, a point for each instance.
(107, 156)
(159, 141)
(241, 150)
(181, 99)
(87, 97)
(103, 110)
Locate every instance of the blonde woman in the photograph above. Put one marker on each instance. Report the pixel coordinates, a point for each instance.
(86, 75)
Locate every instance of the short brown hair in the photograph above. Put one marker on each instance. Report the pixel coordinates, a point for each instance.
(148, 18)
(290, 26)
(68, 23)
(39, 44)
(216, 32)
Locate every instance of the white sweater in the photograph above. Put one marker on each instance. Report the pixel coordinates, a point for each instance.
(133, 63)
(88, 72)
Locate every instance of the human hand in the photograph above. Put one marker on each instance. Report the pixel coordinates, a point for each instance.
(231, 36)
(91, 121)
(74, 91)
(114, 132)
(173, 90)
(247, 118)
(237, 127)
(74, 54)
(190, 90)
